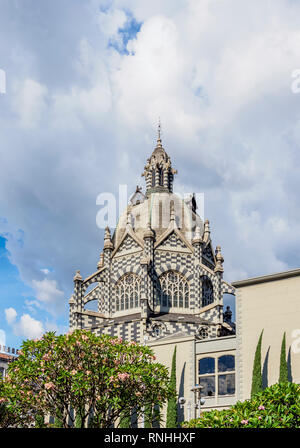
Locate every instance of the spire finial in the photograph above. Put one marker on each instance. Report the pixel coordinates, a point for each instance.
(159, 133)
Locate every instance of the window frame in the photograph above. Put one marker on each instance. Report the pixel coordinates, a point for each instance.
(217, 373)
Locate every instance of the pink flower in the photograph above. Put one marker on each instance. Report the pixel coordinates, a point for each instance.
(73, 372)
(261, 408)
(2, 400)
(259, 418)
(244, 422)
(123, 376)
(49, 386)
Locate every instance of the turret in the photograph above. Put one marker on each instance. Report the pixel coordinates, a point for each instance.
(158, 172)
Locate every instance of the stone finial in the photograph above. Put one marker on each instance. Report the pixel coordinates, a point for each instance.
(101, 261)
(172, 212)
(129, 221)
(206, 235)
(197, 237)
(148, 232)
(107, 240)
(159, 145)
(220, 260)
(77, 276)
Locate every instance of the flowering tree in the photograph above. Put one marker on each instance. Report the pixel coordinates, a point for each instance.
(99, 377)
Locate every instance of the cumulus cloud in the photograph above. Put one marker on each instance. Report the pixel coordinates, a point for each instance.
(80, 120)
(10, 314)
(26, 327)
(48, 294)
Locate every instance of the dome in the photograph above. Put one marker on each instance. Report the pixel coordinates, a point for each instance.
(156, 209)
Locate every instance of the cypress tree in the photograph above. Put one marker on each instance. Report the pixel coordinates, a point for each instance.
(257, 385)
(172, 417)
(283, 371)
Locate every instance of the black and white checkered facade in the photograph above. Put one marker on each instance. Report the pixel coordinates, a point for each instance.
(158, 275)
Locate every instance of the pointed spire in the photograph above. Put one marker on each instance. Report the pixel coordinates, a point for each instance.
(206, 235)
(148, 232)
(101, 261)
(172, 212)
(107, 239)
(159, 145)
(197, 237)
(129, 221)
(220, 260)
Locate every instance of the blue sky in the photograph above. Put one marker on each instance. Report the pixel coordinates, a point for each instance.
(85, 85)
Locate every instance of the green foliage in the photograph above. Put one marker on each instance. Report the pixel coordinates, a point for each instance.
(103, 376)
(257, 385)
(277, 406)
(148, 416)
(172, 414)
(283, 371)
(78, 421)
(125, 421)
(39, 421)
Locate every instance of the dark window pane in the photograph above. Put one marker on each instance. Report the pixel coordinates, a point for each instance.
(226, 363)
(226, 384)
(208, 384)
(206, 365)
(153, 178)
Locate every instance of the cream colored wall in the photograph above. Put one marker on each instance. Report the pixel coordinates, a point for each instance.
(185, 357)
(274, 307)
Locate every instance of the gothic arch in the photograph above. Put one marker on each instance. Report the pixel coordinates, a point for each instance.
(172, 290)
(162, 268)
(127, 292)
(128, 270)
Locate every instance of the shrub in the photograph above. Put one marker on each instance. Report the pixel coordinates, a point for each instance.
(278, 406)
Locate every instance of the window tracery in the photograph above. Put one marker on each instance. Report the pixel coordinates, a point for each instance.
(128, 292)
(173, 290)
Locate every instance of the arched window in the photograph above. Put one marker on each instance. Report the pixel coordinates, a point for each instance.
(153, 178)
(207, 291)
(173, 290)
(128, 292)
(161, 177)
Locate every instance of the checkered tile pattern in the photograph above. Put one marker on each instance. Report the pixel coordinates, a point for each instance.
(148, 263)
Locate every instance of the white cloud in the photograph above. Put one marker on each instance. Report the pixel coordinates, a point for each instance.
(11, 315)
(29, 102)
(49, 296)
(27, 327)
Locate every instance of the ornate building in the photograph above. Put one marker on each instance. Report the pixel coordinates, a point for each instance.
(158, 275)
